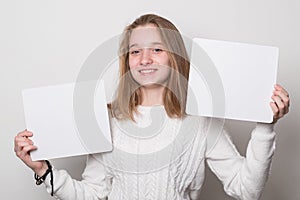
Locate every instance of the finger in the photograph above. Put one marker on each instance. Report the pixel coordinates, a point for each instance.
(20, 141)
(22, 132)
(274, 109)
(25, 152)
(25, 133)
(29, 148)
(20, 145)
(280, 88)
(285, 99)
(280, 105)
(21, 137)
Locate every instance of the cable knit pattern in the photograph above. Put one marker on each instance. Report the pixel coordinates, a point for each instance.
(168, 163)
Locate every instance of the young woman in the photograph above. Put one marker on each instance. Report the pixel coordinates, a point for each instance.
(167, 163)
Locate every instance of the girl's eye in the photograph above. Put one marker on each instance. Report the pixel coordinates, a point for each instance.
(134, 52)
(157, 50)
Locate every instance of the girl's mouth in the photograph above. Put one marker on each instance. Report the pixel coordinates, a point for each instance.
(147, 71)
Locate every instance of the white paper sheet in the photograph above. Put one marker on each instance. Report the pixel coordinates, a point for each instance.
(232, 80)
(67, 123)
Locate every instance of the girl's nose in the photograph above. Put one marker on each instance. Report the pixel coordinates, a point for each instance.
(146, 57)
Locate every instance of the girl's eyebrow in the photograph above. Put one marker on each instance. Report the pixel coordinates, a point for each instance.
(152, 43)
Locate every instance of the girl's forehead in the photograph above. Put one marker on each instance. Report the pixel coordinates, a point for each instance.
(144, 36)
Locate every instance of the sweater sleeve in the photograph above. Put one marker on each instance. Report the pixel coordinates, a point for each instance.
(243, 177)
(94, 184)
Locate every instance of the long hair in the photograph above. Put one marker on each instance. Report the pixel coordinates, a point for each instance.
(128, 95)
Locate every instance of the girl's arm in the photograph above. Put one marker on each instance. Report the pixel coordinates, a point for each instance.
(243, 177)
(94, 184)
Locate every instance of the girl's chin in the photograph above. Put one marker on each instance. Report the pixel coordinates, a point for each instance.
(151, 85)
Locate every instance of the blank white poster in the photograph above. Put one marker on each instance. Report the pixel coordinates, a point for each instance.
(68, 119)
(232, 80)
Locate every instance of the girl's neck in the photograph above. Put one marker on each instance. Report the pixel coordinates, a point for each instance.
(152, 95)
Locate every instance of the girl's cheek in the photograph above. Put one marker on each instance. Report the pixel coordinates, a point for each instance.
(133, 63)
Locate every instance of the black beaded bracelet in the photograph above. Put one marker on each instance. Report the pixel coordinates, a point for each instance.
(40, 180)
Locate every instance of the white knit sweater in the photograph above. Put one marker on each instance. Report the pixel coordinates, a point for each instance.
(167, 161)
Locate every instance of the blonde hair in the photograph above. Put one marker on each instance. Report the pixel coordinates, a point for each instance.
(128, 95)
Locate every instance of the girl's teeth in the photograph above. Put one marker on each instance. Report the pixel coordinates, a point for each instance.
(147, 71)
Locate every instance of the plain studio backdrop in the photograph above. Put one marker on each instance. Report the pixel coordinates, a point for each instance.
(46, 42)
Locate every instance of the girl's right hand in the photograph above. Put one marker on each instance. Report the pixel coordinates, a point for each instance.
(23, 146)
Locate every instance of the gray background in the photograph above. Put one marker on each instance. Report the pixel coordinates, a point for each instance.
(46, 42)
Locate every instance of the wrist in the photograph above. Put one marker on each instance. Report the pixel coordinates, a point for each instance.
(42, 170)
(41, 178)
(265, 127)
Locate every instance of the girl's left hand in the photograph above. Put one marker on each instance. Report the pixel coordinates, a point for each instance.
(281, 103)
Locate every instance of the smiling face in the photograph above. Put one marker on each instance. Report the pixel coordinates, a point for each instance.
(148, 58)
(157, 64)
